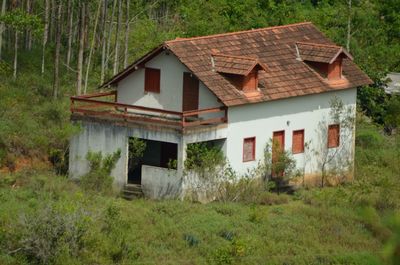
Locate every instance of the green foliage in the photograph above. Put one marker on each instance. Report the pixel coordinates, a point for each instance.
(98, 178)
(202, 157)
(278, 164)
(392, 115)
(136, 151)
(51, 233)
(20, 20)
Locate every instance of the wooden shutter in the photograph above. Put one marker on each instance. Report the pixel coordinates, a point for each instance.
(333, 135)
(298, 142)
(152, 80)
(190, 100)
(249, 149)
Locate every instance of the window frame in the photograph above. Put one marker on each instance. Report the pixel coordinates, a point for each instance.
(302, 147)
(329, 135)
(148, 82)
(253, 149)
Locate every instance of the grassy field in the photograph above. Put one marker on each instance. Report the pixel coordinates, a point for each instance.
(47, 219)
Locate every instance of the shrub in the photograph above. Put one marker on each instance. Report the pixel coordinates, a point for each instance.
(98, 179)
(136, 151)
(202, 157)
(246, 190)
(50, 233)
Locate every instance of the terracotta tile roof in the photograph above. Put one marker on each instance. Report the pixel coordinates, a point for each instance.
(274, 47)
(320, 53)
(231, 64)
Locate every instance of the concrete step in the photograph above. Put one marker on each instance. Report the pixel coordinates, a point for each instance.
(132, 191)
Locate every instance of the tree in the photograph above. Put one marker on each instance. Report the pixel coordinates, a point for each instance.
(92, 46)
(81, 47)
(70, 17)
(126, 44)
(3, 11)
(45, 32)
(337, 161)
(56, 80)
(19, 21)
(116, 46)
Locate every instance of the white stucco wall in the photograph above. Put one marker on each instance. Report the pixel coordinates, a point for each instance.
(262, 119)
(131, 89)
(108, 138)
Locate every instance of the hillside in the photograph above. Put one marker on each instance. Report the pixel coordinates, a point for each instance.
(48, 219)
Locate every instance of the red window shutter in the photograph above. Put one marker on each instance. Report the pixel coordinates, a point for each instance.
(152, 80)
(298, 142)
(249, 149)
(333, 135)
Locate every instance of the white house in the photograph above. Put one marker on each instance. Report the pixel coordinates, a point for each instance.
(237, 89)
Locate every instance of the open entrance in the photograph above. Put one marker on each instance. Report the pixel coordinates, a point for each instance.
(156, 153)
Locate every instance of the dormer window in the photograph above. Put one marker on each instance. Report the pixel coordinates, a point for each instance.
(241, 71)
(326, 60)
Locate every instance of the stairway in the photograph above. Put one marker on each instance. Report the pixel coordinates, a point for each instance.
(132, 191)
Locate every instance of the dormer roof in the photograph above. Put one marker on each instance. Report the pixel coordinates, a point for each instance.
(233, 64)
(321, 53)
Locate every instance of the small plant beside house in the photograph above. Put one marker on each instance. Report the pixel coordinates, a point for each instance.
(98, 178)
(136, 151)
(277, 166)
(204, 166)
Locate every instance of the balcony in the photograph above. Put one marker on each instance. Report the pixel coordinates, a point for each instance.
(105, 105)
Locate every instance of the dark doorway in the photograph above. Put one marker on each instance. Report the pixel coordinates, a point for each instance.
(157, 154)
(190, 100)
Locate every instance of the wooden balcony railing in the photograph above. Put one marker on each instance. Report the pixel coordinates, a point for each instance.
(109, 107)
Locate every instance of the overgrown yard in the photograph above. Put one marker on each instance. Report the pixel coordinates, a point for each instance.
(48, 219)
(176, 232)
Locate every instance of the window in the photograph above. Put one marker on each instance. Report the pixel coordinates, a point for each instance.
(333, 135)
(298, 142)
(249, 149)
(152, 80)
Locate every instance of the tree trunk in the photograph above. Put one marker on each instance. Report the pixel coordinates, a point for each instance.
(116, 46)
(56, 83)
(103, 43)
(81, 47)
(3, 11)
(28, 33)
(110, 29)
(15, 54)
(52, 19)
(92, 46)
(348, 27)
(126, 35)
(70, 24)
(45, 32)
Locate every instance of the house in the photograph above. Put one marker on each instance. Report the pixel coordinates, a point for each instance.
(235, 90)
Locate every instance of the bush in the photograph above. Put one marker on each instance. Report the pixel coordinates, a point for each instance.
(98, 179)
(50, 233)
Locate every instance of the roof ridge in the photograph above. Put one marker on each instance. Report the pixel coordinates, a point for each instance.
(318, 44)
(238, 32)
